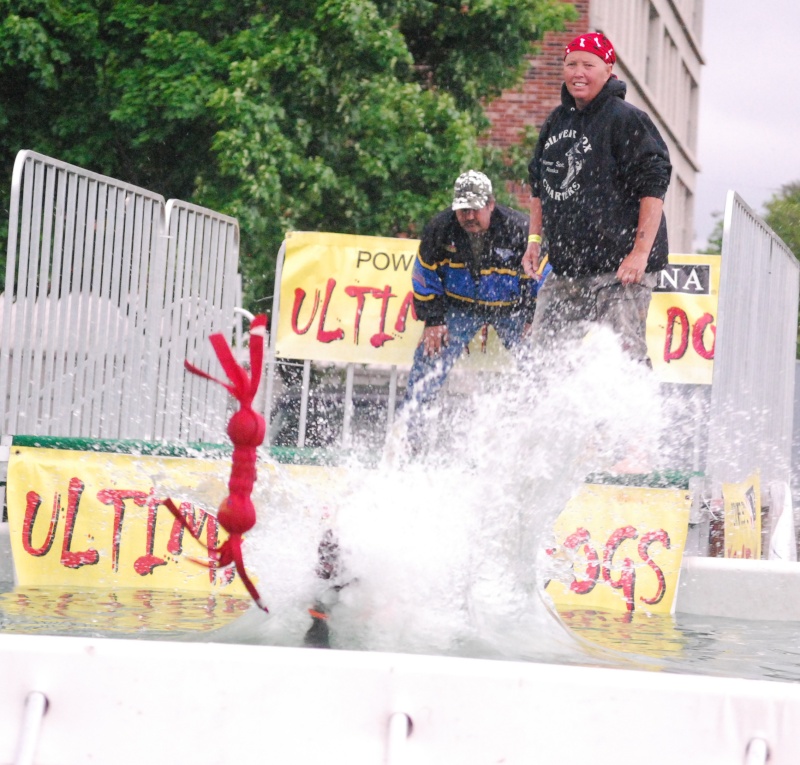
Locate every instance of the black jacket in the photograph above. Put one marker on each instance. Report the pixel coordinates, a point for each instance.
(590, 168)
(446, 272)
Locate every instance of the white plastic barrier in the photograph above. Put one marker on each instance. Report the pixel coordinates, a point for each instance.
(123, 702)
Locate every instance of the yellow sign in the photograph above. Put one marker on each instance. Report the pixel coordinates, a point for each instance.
(742, 503)
(347, 298)
(80, 520)
(681, 323)
(87, 519)
(619, 548)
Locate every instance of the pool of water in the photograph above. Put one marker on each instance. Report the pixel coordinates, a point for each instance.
(680, 643)
(437, 554)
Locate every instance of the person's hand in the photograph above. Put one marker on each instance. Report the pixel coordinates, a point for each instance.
(434, 339)
(631, 270)
(530, 260)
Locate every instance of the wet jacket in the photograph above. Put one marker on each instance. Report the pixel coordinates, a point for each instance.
(590, 168)
(446, 273)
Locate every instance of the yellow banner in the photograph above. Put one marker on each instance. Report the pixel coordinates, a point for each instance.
(619, 548)
(86, 519)
(80, 520)
(681, 323)
(347, 298)
(742, 507)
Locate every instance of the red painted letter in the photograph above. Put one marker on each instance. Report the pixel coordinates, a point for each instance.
(676, 315)
(582, 537)
(644, 554)
(299, 297)
(32, 502)
(68, 558)
(402, 314)
(328, 335)
(697, 336)
(359, 293)
(380, 337)
(627, 578)
(116, 498)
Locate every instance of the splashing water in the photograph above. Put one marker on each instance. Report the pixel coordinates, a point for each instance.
(441, 552)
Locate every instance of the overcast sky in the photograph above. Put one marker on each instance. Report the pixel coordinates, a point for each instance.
(749, 125)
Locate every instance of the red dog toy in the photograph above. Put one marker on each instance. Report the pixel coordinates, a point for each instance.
(246, 429)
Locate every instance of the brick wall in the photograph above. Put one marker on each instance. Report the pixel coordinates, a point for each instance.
(539, 93)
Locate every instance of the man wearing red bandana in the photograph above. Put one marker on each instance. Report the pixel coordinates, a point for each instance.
(598, 178)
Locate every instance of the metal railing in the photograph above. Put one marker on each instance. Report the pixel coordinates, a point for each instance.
(107, 290)
(752, 402)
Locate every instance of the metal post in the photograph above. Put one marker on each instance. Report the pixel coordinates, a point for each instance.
(35, 709)
(400, 727)
(348, 406)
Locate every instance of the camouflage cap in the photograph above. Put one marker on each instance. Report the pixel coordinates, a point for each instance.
(472, 191)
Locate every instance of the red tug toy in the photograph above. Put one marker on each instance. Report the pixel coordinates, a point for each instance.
(246, 429)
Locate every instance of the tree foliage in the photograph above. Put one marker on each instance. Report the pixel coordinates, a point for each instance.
(341, 115)
(714, 243)
(783, 216)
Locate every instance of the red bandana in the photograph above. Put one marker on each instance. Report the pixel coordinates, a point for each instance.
(596, 43)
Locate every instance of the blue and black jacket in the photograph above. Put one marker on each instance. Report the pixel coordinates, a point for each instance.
(446, 274)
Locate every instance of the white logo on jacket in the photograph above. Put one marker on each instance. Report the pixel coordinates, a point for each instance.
(576, 156)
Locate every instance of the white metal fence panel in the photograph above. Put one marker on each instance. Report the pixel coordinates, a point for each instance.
(752, 399)
(201, 292)
(80, 247)
(97, 278)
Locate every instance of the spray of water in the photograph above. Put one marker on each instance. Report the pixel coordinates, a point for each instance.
(440, 551)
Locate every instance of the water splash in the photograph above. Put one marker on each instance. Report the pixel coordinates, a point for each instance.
(440, 551)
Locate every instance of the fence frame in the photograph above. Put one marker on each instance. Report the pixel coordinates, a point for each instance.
(108, 288)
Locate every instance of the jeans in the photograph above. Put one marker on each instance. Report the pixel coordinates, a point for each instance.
(428, 374)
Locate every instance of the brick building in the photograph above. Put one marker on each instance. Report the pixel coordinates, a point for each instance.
(658, 55)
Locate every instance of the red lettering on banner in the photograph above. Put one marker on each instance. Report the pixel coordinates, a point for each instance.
(676, 315)
(146, 564)
(69, 558)
(175, 544)
(32, 503)
(581, 537)
(116, 498)
(359, 293)
(324, 335)
(380, 337)
(627, 578)
(402, 315)
(697, 336)
(644, 554)
(299, 297)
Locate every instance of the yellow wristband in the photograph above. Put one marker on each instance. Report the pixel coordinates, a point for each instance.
(535, 238)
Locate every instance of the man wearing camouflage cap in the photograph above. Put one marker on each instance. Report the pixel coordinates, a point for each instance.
(468, 274)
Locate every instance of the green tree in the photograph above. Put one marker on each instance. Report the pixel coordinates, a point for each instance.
(714, 243)
(342, 115)
(783, 216)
